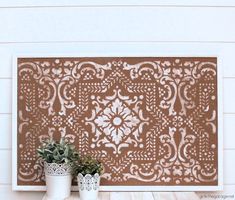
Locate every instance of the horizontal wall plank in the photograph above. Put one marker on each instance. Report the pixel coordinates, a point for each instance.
(5, 91)
(224, 51)
(35, 3)
(227, 59)
(229, 166)
(6, 193)
(6, 163)
(229, 128)
(117, 24)
(5, 131)
(229, 95)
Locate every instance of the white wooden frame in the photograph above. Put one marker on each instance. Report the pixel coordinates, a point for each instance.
(165, 53)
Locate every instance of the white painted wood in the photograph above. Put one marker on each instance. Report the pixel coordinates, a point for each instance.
(72, 197)
(142, 196)
(220, 125)
(75, 196)
(36, 3)
(104, 196)
(14, 105)
(186, 196)
(175, 196)
(101, 196)
(228, 193)
(5, 131)
(117, 24)
(6, 193)
(229, 166)
(229, 96)
(5, 175)
(228, 57)
(229, 131)
(5, 91)
(120, 195)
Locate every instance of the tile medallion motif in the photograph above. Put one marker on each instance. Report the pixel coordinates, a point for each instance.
(151, 121)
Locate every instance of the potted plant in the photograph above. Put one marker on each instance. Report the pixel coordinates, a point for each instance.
(58, 158)
(88, 171)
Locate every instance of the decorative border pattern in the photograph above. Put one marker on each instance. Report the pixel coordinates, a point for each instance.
(54, 169)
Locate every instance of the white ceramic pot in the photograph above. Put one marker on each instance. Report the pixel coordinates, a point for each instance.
(58, 180)
(88, 186)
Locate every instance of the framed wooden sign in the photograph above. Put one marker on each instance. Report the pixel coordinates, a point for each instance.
(154, 122)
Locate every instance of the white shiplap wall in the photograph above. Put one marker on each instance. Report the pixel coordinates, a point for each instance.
(149, 27)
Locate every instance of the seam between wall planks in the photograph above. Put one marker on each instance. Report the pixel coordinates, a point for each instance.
(118, 41)
(115, 5)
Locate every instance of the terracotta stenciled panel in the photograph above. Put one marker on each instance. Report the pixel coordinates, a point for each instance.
(151, 121)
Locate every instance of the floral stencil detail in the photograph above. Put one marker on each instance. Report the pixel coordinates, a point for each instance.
(117, 121)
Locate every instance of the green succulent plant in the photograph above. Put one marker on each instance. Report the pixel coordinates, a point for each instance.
(60, 152)
(87, 165)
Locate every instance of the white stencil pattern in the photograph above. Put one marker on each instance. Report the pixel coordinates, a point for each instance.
(151, 121)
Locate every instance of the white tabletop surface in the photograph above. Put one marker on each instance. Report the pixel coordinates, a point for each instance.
(138, 196)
